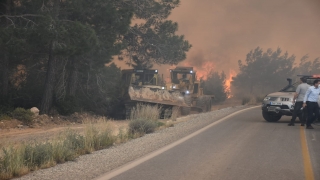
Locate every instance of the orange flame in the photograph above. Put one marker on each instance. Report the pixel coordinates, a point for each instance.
(228, 82)
(202, 72)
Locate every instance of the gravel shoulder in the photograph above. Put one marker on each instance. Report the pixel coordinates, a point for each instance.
(93, 165)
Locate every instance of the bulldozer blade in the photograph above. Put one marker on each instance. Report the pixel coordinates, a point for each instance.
(158, 96)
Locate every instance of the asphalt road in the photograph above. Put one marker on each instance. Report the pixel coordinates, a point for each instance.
(242, 147)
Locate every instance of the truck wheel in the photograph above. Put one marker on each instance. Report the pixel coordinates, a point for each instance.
(208, 104)
(201, 103)
(270, 117)
(186, 110)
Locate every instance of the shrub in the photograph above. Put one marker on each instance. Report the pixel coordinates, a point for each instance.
(259, 99)
(4, 117)
(98, 136)
(142, 126)
(23, 115)
(245, 100)
(123, 136)
(67, 106)
(159, 124)
(39, 155)
(146, 112)
(5, 110)
(144, 119)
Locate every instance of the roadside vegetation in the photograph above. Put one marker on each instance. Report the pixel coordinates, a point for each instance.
(21, 114)
(216, 84)
(20, 159)
(54, 57)
(266, 71)
(144, 119)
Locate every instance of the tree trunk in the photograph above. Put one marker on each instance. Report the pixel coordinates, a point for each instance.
(47, 98)
(73, 78)
(5, 8)
(5, 76)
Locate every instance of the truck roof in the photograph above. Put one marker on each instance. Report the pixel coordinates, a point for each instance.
(310, 76)
(182, 69)
(148, 71)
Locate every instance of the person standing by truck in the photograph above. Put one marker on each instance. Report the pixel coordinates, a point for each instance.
(298, 102)
(311, 102)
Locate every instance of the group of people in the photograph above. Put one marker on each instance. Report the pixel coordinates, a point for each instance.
(306, 102)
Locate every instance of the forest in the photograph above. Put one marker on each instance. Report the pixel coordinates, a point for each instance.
(53, 53)
(58, 55)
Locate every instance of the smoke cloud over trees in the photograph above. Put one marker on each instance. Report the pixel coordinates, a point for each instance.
(225, 31)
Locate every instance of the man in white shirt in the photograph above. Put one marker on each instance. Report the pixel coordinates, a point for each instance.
(298, 102)
(311, 102)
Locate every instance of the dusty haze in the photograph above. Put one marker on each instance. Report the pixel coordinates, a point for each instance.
(224, 31)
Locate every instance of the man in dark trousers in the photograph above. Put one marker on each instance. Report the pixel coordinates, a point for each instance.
(298, 102)
(311, 102)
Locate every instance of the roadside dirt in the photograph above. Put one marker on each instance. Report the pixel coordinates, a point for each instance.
(48, 127)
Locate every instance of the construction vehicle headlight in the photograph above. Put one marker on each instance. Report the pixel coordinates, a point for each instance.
(174, 86)
(191, 72)
(155, 70)
(187, 92)
(162, 87)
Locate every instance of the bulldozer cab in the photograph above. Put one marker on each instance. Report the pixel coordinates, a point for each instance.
(182, 75)
(140, 77)
(184, 80)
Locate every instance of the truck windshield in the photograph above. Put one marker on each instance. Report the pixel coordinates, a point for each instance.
(177, 77)
(293, 87)
(144, 79)
(149, 79)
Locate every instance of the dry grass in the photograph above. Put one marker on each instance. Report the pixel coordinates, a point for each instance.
(147, 112)
(20, 159)
(144, 119)
(175, 113)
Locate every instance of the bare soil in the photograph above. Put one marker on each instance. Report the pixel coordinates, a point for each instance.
(47, 127)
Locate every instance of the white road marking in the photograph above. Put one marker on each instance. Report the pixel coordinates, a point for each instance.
(135, 163)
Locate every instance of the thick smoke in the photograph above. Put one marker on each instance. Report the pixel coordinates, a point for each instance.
(222, 32)
(225, 31)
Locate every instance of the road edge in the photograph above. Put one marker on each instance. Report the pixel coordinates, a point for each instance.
(138, 161)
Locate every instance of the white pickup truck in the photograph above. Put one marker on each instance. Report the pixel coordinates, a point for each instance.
(278, 104)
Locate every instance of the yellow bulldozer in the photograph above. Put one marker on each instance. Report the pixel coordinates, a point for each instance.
(145, 87)
(184, 80)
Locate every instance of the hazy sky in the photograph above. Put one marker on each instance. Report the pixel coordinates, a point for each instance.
(224, 31)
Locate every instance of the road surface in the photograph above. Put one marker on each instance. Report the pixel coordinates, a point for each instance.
(241, 147)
